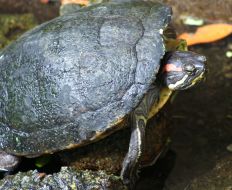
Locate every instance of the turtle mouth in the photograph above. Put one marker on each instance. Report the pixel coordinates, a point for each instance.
(198, 78)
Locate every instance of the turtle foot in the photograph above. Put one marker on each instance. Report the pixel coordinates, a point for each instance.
(129, 173)
(8, 162)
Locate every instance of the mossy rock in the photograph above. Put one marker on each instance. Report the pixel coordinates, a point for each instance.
(67, 178)
(13, 25)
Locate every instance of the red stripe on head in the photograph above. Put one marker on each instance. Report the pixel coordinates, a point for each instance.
(171, 67)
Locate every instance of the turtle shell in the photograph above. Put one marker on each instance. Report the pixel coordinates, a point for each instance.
(74, 79)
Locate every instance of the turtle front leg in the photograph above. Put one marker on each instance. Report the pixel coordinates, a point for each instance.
(139, 117)
(129, 172)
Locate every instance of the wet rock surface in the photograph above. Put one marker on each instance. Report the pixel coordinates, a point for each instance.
(219, 178)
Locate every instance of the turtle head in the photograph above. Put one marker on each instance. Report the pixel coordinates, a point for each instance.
(183, 69)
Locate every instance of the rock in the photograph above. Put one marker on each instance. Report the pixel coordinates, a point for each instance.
(219, 178)
(13, 25)
(66, 179)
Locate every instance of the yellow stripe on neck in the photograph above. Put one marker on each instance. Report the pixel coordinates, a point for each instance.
(165, 93)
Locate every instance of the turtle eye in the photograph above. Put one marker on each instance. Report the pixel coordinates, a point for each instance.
(190, 68)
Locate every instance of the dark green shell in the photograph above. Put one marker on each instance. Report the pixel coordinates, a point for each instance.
(72, 78)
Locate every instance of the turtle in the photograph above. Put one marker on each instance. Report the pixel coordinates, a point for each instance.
(80, 77)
